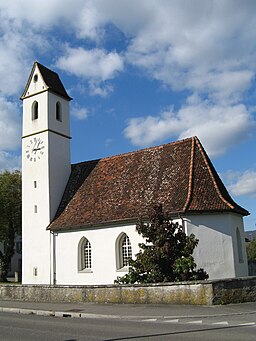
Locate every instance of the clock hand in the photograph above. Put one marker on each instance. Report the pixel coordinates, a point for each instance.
(37, 143)
(34, 146)
(36, 149)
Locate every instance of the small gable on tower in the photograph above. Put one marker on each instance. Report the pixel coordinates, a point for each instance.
(43, 79)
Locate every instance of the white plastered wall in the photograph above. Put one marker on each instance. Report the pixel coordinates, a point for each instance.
(50, 174)
(37, 86)
(59, 170)
(62, 126)
(36, 246)
(217, 251)
(241, 265)
(104, 262)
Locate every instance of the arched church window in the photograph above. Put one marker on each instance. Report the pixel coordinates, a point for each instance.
(35, 110)
(124, 251)
(239, 246)
(84, 255)
(58, 112)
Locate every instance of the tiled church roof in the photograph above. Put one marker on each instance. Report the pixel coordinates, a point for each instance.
(179, 175)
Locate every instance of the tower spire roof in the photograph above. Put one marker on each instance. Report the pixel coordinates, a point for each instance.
(51, 80)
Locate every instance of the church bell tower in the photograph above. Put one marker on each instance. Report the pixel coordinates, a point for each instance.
(45, 169)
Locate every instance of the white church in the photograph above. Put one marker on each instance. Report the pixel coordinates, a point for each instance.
(79, 220)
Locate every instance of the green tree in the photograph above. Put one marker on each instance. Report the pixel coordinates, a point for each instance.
(251, 250)
(167, 254)
(10, 217)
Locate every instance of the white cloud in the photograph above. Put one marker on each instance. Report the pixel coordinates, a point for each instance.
(200, 47)
(95, 64)
(205, 47)
(40, 14)
(9, 161)
(127, 16)
(9, 125)
(18, 45)
(13, 56)
(80, 113)
(218, 127)
(100, 89)
(10, 128)
(108, 142)
(221, 86)
(244, 184)
(90, 23)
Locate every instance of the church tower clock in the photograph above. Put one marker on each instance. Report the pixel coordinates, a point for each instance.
(45, 169)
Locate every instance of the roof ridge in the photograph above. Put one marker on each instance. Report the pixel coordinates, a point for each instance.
(191, 170)
(45, 67)
(28, 81)
(38, 65)
(202, 151)
(147, 149)
(84, 162)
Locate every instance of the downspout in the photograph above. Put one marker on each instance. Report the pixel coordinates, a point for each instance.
(54, 235)
(183, 223)
(50, 259)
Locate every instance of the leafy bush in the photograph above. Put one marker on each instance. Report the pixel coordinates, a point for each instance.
(167, 254)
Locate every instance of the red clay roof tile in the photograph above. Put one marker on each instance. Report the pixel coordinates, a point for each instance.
(179, 175)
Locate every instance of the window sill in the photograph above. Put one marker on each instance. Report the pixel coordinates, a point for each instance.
(86, 271)
(124, 269)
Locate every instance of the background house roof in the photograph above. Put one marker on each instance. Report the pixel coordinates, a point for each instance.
(178, 175)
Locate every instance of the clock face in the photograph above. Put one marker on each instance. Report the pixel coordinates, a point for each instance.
(35, 149)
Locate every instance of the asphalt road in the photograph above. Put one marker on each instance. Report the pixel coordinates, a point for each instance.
(236, 324)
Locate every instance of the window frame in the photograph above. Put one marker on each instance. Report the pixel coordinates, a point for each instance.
(58, 111)
(123, 245)
(84, 246)
(35, 111)
(239, 246)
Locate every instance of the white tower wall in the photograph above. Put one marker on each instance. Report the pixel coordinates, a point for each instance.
(45, 172)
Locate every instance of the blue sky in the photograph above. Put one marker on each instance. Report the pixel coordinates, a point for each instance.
(141, 73)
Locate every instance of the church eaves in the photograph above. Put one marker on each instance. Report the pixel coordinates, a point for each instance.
(121, 188)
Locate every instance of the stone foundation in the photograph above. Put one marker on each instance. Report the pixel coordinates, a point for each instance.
(199, 292)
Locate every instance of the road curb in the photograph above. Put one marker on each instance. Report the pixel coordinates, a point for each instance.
(53, 313)
(38, 312)
(81, 314)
